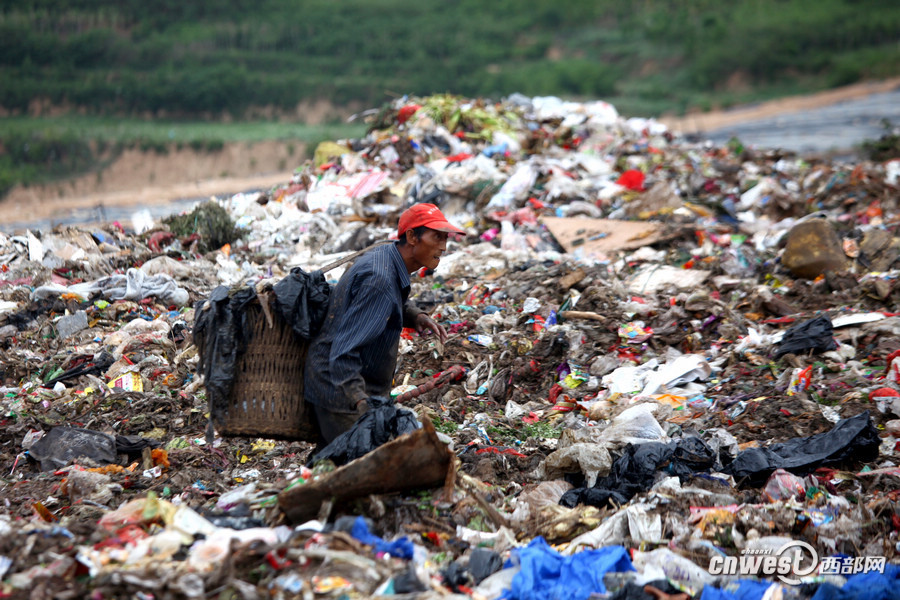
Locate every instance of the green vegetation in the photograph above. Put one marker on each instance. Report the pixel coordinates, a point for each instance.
(233, 56)
(541, 430)
(210, 222)
(886, 147)
(506, 435)
(37, 156)
(240, 60)
(449, 426)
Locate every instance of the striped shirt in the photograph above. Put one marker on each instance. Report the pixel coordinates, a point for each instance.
(355, 354)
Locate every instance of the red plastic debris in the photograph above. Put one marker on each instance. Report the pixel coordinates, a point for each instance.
(632, 179)
(883, 392)
(406, 112)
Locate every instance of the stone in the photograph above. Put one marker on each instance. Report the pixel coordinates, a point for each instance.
(813, 248)
(69, 325)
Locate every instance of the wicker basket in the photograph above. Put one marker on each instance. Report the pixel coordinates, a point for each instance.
(266, 398)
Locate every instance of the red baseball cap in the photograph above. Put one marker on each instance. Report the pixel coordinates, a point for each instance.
(428, 215)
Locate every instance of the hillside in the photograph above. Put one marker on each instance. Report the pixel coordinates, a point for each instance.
(273, 64)
(241, 58)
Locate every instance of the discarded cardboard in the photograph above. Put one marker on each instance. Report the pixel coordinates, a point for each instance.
(589, 237)
(413, 461)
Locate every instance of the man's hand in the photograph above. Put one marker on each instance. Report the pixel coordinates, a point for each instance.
(424, 322)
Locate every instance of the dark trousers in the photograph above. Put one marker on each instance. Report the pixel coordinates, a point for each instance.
(332, 424)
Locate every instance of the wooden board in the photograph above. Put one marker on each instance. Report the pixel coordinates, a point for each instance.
(417, 460)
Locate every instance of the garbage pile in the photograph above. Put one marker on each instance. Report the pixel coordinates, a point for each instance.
(679, 377)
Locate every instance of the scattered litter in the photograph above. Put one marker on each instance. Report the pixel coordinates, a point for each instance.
(661, 354)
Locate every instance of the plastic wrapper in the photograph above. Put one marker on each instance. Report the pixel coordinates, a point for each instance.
(683, 369)
(635, 425)
(591, 459)
(800, 380)
(662, 563)
(783, 486)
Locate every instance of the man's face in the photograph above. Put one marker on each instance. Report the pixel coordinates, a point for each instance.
(429, 248)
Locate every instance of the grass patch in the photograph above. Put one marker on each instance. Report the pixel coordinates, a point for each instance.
(133, 131)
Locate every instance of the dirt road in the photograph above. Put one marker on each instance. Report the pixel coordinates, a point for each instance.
(721, 119)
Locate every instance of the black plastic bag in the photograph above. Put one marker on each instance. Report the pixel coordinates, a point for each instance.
(690, 456)
(383, 422)
(99, 364)
(816, 335)
(63, 444)
(302, 299)
(635, 471)
(634, 591)
(454, 576)
(133, 445)
(407, 582)
(854, 439)
(483, 562)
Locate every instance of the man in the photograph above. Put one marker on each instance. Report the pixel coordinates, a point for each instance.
(355, 354)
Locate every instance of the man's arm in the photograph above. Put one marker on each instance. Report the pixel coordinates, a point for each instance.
(410, 313)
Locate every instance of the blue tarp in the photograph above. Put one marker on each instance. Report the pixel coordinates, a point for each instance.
(745, 589)
(545, 574)
(399, 548)
(865, 586)
(862, 586)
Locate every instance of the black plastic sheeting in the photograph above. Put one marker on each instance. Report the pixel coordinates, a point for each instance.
(222, 329)
(408, 582)
(102, 361)
(634, 591)
(482, 563)
(221, 333)
(851, 440)
(635, 471)
(63, 444)
(302, 299)
(815, 335)
(383, 422)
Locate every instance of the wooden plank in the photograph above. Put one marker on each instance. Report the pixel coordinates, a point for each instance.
(417, 460)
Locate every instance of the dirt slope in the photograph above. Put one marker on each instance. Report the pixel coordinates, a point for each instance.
(139, 179)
